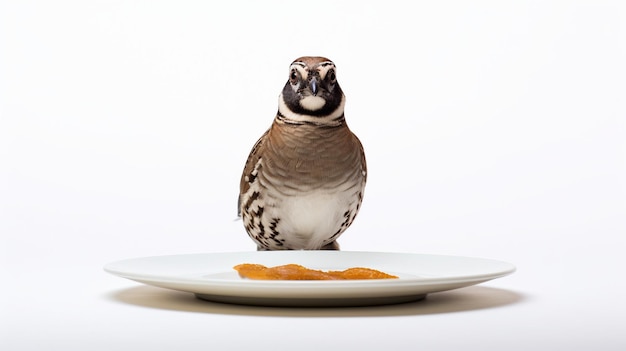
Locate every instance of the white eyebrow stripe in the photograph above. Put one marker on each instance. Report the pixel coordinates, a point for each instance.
(322, 67)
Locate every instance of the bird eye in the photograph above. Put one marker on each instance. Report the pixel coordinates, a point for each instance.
(293, 76)
(332, 76)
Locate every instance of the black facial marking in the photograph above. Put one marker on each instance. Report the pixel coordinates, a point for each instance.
(329, 91)
(331, 77)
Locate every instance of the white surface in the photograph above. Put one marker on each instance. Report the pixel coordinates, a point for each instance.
(492, 129)
(212, 277)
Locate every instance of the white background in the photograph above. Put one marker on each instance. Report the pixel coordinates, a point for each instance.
(492, 129)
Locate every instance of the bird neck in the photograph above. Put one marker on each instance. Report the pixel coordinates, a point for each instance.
(287, 116)
(280, 118)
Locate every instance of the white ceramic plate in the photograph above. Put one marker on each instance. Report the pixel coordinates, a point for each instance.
(211, 276)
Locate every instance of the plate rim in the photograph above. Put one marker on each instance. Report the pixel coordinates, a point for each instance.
(143, 277)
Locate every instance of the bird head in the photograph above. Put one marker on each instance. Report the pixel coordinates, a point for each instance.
(312, 90)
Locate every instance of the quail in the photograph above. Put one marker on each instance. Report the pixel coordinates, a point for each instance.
(303, 182)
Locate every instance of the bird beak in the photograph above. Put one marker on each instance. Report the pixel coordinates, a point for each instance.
(313, 86)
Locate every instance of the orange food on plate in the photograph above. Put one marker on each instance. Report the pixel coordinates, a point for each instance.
(298, 272)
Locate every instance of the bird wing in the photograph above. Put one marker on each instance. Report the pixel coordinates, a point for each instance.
(363, 161)
(253, 159)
